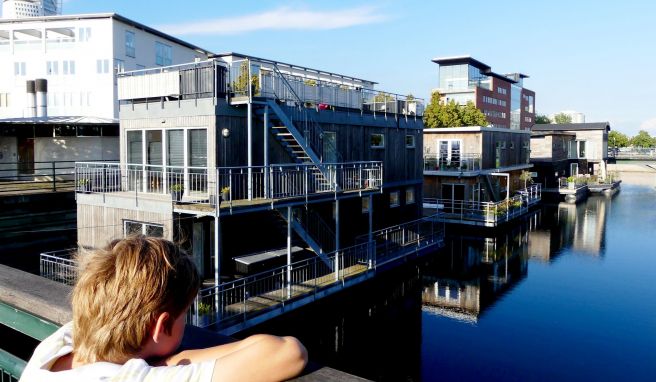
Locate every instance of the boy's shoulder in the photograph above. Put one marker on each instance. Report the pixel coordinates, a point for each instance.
(60, 344)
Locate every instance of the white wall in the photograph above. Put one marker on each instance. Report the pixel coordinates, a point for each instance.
(87, 92)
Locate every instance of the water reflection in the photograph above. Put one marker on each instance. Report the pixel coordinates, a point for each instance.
(475, 271)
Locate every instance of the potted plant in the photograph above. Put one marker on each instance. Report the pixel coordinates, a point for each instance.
(84, 185)
(204, 314)
(571, 182)
(176, 191)
(225, 193)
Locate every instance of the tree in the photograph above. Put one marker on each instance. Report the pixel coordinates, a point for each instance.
(541, 118)
(449, 114)
(643, 139)
(562, 118)
(383, 97)
(617, 139)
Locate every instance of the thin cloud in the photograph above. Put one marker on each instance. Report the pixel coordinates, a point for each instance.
(649, 125)
(279, 19)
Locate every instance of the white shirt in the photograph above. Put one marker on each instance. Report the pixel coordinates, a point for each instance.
(60, 343)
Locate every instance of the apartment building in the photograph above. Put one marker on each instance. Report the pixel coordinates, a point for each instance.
(17, 9)
(503, 98)
(58, 74)
(252, 163)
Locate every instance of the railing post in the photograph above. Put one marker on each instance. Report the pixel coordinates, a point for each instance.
(54, 180)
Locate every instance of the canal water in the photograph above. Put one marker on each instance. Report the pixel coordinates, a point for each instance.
(566, 294)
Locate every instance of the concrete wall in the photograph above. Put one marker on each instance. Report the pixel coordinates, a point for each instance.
(596, 144)
(8, 157)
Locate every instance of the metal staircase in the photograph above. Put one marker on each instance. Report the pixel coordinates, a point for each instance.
(312, 229)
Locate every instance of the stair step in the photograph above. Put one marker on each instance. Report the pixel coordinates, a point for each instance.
(279, 127)
(284, 134)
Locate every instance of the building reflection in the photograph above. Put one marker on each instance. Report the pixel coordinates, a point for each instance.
(474, 271)
(580, 228)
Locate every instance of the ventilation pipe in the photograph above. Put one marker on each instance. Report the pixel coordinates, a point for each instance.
(41, 97)
(30, 111)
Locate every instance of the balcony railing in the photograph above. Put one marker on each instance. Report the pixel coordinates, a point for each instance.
(456, 162)
(235, 184)
(246, 78)
(59, 266)
(489, 213)
(237, 301)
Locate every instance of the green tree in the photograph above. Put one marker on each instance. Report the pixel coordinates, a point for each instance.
(471, 116)
(562, 118)
(449, 114)
(541, 118)
(617, 139)
(643, 139)
(383, 97)
(240, 85)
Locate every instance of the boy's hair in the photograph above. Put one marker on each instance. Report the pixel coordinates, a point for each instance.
(120, 292)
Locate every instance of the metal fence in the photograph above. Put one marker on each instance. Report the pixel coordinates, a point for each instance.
(235, 184)
(11, 367)
(237, 301)
(486, 212)
(49, 176)
(59, 266)
(456, 162)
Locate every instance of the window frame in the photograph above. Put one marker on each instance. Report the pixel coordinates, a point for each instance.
(411, 145)
(130, 44)
(381, 145)
(410, 196)
(144, 227)
(397, 203)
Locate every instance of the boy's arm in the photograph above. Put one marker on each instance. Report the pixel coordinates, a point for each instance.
(257, 358)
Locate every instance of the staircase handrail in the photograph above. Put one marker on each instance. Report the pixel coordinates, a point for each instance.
(321, 232)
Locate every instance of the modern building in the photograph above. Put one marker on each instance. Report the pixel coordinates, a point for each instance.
(252, 164)
(58, 74)
(501, 97)
(554, 156)
(18, 9)
(587, 152)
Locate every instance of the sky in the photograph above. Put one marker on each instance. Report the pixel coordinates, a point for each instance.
(589, 56)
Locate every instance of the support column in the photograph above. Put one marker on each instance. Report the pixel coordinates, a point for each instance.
(370, 237)
(337, 251)
(249, 143)
(265, 136)
(289, 251)
(217, 251)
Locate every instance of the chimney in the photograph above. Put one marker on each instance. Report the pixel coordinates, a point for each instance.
(41, 97)
(30, 112)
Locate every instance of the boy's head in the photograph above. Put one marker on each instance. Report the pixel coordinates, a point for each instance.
(121, 293)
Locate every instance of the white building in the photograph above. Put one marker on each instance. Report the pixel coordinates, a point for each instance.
(17, 9)
(79, 56)
(576, 116)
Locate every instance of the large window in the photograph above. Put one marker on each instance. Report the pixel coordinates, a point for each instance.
(448, 153)
(134, 147)
(198, 148)
(130, 50)
(163, 54)
(154, 147)
(139, 228)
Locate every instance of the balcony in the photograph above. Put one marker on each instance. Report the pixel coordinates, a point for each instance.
(243, 79)
(456, 162)
(487, 214)
(236, 186)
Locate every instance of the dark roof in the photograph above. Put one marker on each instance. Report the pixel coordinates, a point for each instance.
(461, 60)
(571, 126)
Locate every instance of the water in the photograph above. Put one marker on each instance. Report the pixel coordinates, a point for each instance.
(567, 294)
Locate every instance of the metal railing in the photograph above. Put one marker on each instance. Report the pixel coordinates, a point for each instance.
(198, 184)
(237, 301)
(456, 162)
(632, 153)
(59, 266)
(316, 228)
(16, 177)
(486, 212)
(11, 367)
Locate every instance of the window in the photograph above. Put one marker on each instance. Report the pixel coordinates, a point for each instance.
(139, 228)
(512, 145)
(129, 44)
(581, 147)
(68, 67)
(102, 66)
(163, 54)
(501, 90)
(377, 141)
(394, 199)
(52, 68)
(365, 205)
(135, 150)
(410, 141)
(19, 68)
(4, 99)
(409, 196)
(84, 34)
(119, 65)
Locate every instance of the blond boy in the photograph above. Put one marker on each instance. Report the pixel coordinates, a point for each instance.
(129, 306)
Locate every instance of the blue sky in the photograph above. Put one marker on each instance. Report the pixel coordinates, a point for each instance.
(589, 56)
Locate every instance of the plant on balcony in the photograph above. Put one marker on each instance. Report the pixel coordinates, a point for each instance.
(176, 191)
(84, 185)
(204, 314)
(526, 177)
(310, 82)
(240, 85)
(571, 182)
(225, 193)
